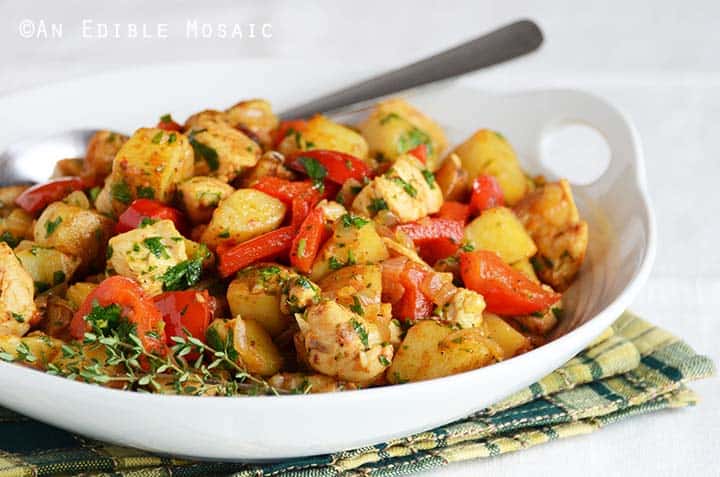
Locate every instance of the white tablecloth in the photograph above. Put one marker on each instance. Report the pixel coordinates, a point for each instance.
(657, 60)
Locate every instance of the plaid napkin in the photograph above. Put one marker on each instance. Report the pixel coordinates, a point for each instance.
(633, 368)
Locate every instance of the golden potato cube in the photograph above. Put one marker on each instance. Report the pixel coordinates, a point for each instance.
(8, 194)
(395, 127)
(47, 267)
(322, 133)
(78, 292)
(244, 214)
(432, 350)
(74, 231)
(40, 348)
(488, 152)
(354, 242)
(510, 340)
(256, 352)
(500, 231)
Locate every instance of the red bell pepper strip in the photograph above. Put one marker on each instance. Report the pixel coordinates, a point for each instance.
(285, 128)
(486, 194)
(454, 211)
(142, 209)
(339, 167)
(286, 190)
(413, 305)
(506, 291)
(306, 244)
(265, 246)
(135, 307)
(420, 152)
(39, 196)
(167, 123)
(190, 310)
(435, 238)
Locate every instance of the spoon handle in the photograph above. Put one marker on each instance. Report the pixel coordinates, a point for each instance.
(503, 44)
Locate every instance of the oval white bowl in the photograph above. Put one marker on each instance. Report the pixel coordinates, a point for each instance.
(616, 205)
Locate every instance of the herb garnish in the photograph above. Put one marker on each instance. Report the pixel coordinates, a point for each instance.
(121, 192)
(51, 225)
(361, 331)
(316, 171)
(203, 151)
(156, 247)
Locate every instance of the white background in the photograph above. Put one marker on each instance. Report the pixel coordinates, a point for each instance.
(658, 61)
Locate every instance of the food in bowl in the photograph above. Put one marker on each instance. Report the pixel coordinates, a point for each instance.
(237, 254)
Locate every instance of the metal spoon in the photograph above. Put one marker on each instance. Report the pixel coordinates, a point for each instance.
(33, 160)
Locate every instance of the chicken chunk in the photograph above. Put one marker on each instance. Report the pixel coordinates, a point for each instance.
(551, 218)
(465, 308)
(150, 165)
(271, 164)
(101, 151)
(17, 307)
(255, 118)
(341, 344)
(200, 196)
(298, 294)
(407, 190)
(145, 254)
(221, 151)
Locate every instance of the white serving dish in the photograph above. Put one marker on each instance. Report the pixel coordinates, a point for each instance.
(621, 251)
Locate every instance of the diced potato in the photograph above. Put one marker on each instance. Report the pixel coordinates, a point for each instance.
(37, 345)
(271, 164)
(244, 214)
(454, 181)
(101, 151)
(201, 195)
(340, 343)
(8, 194)
(404, 190)
(255, 349)
(78, 292)
(510, 340)
(431, 350)
(220, 150)
(550, 216)
(394, 127)
(354, 242)
(48, 267)
(487, 152)
(500, 231)
(526, 268)
(151, 164)
(16, 226)
(17, 308)
(357, 287)
(322, 133)
(145, 254)
(75, 231)
(255, 294)
(254, 116)
(78, 199)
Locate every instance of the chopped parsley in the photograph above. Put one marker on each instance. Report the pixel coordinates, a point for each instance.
(335, 264)
(412, 139)
(203, 151)
(383, 360)
(467, 247)
(121, 192)
(58, 277)
(157, 137)
(558, 312)
(51, 225)
(94, 192)
(500, 136)
(316, 171)
(104, 318)
(361, 331)
(145, 222)
(356, 307)
(429, 178)
(156, 247)
(172, 138)
(377, 204)
(145, 192)
(388, 117)
(166, 118)
(109, 252)
(9, 239)
(349, 220)
(185, 274)
(224, 234)
(18, 317)
(41, 286)
(407, 187)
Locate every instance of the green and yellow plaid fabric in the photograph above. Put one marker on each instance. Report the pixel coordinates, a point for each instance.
(634, 368)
